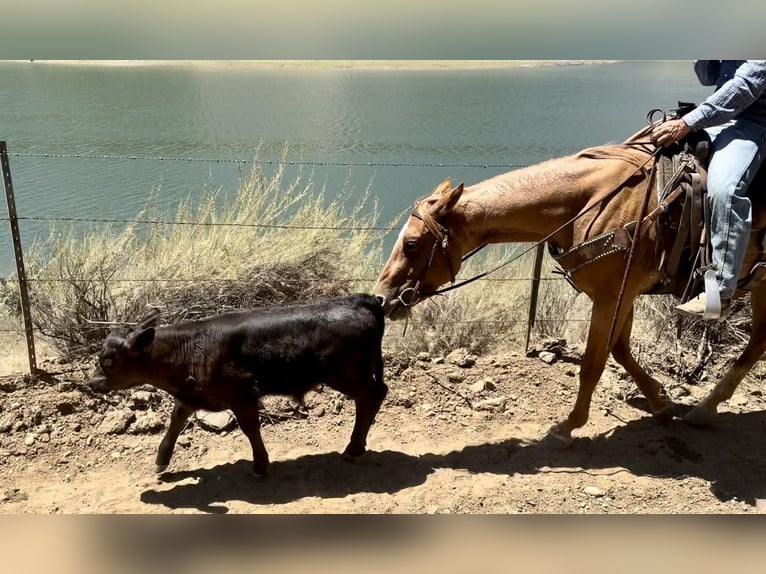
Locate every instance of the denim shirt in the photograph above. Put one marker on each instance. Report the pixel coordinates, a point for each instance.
(740, 92)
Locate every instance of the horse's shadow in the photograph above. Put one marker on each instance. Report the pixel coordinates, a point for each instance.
(728, 455)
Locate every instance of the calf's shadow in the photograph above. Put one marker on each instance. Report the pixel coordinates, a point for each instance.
(729, 455)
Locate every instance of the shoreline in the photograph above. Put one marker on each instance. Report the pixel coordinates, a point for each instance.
(328, 64)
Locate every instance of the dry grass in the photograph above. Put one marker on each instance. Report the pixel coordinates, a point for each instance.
(491, 312)
(275, 241)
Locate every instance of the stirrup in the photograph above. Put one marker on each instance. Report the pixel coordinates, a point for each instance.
(712, 296)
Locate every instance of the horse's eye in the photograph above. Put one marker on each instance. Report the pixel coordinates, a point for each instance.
(410, 246)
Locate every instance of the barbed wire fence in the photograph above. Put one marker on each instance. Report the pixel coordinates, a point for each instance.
(24, 282)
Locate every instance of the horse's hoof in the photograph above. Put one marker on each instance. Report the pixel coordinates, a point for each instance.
(699, 417)
(667, 413)
(556, 439)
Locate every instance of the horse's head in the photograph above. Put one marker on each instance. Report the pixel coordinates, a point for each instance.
(427, 252)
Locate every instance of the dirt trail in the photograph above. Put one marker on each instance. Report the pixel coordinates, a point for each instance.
(455, 435)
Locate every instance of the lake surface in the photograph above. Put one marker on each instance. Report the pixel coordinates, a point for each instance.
(402, 130)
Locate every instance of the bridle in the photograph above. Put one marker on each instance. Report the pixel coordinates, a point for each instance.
(410, 296)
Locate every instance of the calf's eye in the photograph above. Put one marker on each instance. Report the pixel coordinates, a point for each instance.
(107, 363)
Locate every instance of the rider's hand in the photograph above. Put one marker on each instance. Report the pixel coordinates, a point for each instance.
(669, 132)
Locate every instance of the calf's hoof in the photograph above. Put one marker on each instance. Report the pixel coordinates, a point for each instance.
(160, 468)
(353, 452)
(260, 468)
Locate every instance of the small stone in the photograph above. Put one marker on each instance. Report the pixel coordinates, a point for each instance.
(220, 421)
(738, 400)
(594, 491)
(184, 441)
(461, 358)
(116, 422)
(493, 405)
(141, 397)
(547, 357)
(29, 440)
(7, 420)
(319, 412)
(147, 423)
(424, 357)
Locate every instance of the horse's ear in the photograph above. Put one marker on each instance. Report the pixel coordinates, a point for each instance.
(443, 187)
(448, 200)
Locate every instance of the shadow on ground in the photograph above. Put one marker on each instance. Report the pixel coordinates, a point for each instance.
(729, 455)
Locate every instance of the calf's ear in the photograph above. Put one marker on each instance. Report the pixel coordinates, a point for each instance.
(141, 339)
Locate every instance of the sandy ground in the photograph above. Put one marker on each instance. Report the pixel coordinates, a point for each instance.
(455, 435)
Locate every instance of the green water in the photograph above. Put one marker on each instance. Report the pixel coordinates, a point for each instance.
(403, 131)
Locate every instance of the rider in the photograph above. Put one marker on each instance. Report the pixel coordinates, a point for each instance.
(735, 118)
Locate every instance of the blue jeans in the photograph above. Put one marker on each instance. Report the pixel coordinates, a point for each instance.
(737, 152)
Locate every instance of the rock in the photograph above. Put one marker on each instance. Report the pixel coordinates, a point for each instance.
(65, 408)
(493, 405)
(215, 421)
(147, 423)
(477, 387)
(738, 400)
(7, 420)
(482, 385)
(29, 440)
(116, 422)
(184, 441)
(461, 358)
(455, 378)
(406, 402)
(547, 357)
(14, 495)
(141, 397)
(594, 491)
(424, 357)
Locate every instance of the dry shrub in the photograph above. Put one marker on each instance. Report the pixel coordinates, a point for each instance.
(490, 312)
(274, 242)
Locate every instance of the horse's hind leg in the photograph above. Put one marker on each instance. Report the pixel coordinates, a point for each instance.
(659, 403)
(706, 410)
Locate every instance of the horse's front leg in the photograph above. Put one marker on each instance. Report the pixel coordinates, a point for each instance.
(659, 402)
(596, 353)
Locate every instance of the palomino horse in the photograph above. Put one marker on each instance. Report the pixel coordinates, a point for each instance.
(542, 202)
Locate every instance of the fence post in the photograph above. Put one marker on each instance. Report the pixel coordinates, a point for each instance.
(21, 273)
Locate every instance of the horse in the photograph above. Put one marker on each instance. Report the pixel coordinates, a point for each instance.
(565, 202)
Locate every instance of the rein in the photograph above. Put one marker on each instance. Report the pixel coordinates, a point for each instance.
(443, 239)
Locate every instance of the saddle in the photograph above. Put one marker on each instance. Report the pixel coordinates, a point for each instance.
(681, 181)
(685, 266)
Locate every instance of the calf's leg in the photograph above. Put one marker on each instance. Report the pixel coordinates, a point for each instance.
(178, 418)
(250, 423)
(368, 403)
